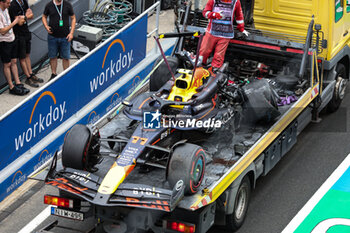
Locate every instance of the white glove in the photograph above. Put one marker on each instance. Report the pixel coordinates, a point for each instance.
(221, 13)
(246, 33)
(213, 15)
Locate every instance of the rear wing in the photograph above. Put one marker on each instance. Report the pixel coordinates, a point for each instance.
(84, 185)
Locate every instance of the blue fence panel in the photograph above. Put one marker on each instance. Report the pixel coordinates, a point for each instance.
(48, 109)
(21, 175)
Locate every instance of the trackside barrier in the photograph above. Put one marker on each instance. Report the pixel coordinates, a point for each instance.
(84, 93)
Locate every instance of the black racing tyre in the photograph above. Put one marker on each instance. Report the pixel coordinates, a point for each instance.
(235, 220)
(162, 74)
(187, 163)
(76, 147)
(339, 89)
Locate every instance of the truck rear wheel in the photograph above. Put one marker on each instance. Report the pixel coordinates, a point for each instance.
(235, 220)
(187, 163)
(76, 147)
(339, 89)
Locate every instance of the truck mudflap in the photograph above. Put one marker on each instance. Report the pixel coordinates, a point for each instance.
(84, 185)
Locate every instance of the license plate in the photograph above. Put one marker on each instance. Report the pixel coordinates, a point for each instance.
(67, 213)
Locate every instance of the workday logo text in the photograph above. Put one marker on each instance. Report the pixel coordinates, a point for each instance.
(117, 64)
(43, 158)
(18, 178)
(135, 82)
(115, 100)
(42, 119)
(93, 117)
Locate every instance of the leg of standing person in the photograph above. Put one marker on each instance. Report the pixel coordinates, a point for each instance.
(22, 56)
(14, 89)
(6, 61)
(53, 64)
(65, 52)
(7, 73)
(13, 48)
(14, 70)
(65, 63)
(28, 61)
(52, 43)
(24, 67)
(7, 51)
(29, 66)
(207, 46)
(219, 54)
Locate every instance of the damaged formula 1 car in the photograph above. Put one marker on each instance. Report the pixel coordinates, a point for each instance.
(196, 102)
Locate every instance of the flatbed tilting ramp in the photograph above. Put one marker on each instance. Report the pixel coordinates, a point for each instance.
(226, 160)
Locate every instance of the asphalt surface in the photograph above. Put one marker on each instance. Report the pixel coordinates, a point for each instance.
(276, 199)
(279, 196)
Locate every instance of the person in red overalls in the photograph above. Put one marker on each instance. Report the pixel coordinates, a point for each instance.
(220, 29)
